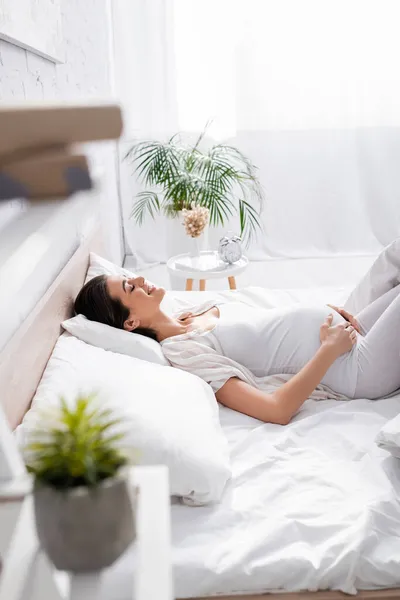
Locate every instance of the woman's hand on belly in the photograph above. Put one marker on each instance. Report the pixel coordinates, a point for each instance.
(341, 338)
(348, 316)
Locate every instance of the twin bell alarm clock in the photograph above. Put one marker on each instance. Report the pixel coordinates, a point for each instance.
(230, 248)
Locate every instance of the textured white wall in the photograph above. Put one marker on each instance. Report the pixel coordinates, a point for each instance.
(24, 76)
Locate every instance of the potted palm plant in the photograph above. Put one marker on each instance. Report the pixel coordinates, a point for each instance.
(83, 504)
(178, 176)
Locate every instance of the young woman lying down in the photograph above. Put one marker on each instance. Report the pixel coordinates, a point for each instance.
(234, 346)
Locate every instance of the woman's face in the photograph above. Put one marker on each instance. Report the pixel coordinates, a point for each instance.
(140, 297)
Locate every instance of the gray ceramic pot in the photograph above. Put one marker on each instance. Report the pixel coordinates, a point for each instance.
(85, 529)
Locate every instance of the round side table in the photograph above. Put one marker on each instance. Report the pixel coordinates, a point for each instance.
(228, 271)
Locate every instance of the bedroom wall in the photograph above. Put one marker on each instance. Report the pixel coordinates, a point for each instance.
(322, 127)
(35, 244)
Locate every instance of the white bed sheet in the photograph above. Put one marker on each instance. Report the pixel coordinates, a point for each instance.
(313, 505)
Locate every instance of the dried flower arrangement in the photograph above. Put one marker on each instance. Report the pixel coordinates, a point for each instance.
(195, 220)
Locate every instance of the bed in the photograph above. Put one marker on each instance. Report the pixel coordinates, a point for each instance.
(314, 505)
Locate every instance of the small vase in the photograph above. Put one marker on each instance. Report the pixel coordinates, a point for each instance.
(197, 244)
(177, 240)
(84, 529)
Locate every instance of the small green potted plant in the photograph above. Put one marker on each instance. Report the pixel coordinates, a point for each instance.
(179, 175)
(84, 509)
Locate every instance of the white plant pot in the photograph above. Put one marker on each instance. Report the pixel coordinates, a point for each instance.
(178, 242)
(85, 529)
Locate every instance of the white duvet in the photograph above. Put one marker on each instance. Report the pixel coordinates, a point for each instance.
(310, 506)
(313, 505)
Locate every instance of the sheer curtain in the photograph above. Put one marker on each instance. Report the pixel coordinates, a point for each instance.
(308, 89)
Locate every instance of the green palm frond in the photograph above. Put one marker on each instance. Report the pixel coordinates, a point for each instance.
(79, 445)
(146, 202)
(218, 202)
(155, 163)
(179, 193)
(236, 157)
(249, 223)
(202, 135)
(222, 179)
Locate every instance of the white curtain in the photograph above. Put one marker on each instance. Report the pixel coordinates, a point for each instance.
(308, 89)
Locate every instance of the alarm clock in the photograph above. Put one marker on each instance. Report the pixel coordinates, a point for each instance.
(230, 248)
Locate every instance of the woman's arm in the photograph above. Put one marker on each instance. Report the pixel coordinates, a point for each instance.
(280, 406)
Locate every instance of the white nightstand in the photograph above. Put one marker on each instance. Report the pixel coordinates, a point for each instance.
(228, 271)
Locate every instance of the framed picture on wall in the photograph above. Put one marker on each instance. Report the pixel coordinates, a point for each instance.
(34, 25)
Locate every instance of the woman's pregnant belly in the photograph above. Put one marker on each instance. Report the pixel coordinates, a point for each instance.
(295, 337)
(284, 340)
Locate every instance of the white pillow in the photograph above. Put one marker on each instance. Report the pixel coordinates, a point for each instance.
(117, 340)
(171, 416)
(100, 266)
(389, 437)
